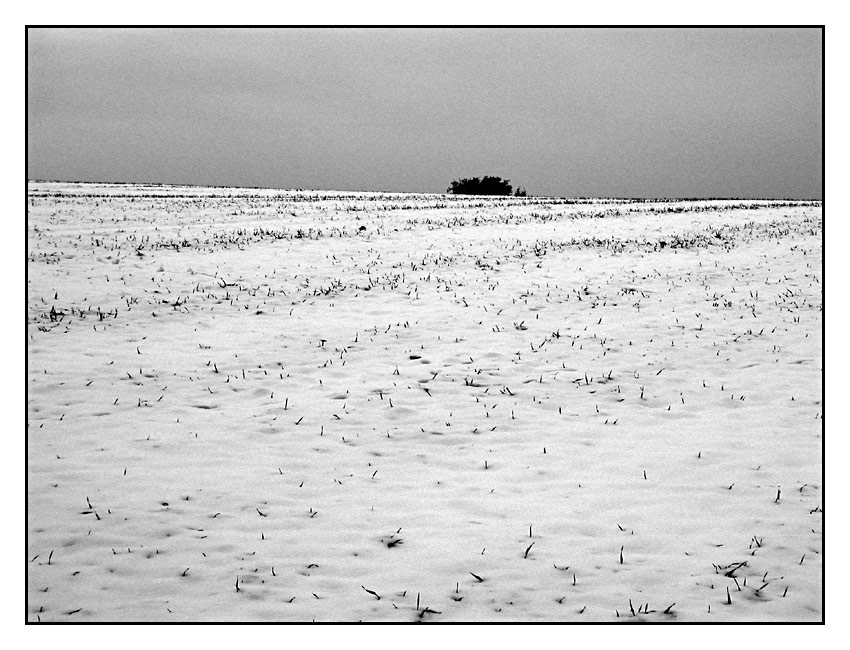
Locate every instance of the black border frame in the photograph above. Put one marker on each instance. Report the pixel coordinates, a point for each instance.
(432, 26)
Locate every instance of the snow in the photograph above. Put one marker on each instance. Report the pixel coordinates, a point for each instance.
(244, 407)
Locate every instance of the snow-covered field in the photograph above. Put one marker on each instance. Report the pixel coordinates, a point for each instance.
(257, 405)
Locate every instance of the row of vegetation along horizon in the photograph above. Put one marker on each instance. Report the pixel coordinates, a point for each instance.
(370, 195)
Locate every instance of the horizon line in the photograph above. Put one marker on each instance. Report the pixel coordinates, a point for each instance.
(444, 194)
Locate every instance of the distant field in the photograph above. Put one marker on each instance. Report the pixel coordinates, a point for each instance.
(257, 405)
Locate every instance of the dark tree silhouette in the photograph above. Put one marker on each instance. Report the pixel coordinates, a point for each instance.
(492, 185)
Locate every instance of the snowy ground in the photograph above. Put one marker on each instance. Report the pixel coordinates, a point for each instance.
(254, 405)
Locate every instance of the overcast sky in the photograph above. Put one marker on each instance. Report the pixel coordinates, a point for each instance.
(564, 112)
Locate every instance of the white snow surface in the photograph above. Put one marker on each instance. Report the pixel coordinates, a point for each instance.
(265, 405)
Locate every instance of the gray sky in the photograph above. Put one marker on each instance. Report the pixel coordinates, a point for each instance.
(564, 112)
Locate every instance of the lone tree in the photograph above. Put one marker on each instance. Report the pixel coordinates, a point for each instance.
(491, 185)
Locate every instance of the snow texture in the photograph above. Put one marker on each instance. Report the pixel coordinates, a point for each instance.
(263, 405)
